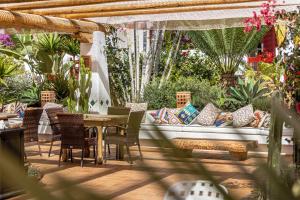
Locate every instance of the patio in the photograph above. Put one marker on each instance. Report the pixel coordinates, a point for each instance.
(118, 180)
(131, 99)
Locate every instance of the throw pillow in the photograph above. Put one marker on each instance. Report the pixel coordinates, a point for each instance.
(173, 119)
(160, 116)
(243, 116)
(208, 115)
(258, 117)
(187, 114)
(20, 109)
(224, 119)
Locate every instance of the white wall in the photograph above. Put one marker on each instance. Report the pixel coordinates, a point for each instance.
(100, 82)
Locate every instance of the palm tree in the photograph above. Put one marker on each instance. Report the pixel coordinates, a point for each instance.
(226, 48)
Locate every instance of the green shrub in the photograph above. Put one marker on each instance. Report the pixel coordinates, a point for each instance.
(263, 103)
(202, 93)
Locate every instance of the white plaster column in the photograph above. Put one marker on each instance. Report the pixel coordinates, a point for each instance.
(100, 93)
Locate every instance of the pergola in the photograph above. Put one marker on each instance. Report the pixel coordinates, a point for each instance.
(86, 16)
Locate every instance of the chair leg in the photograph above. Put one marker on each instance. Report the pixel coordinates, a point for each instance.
(52, 140)
(129, 155)
(40, 152)
(60, 153)
(82, 155)
(104, 157)
(108, 147)
(71, 155)
(141, 155)
(94, 150)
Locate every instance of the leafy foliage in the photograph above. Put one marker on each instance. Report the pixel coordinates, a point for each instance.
(248, 91)
(196, 65)
(31, 96)
(226, 47)
(8, 68)
(202, 93)
(118, 69)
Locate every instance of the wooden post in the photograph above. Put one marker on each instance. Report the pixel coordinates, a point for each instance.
(274, 148)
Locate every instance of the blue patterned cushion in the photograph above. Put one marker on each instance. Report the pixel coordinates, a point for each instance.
(187, 114)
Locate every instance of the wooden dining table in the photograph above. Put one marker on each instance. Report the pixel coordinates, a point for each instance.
(101, 121)
(6, 116)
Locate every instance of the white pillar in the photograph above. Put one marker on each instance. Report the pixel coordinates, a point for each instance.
(100, 93)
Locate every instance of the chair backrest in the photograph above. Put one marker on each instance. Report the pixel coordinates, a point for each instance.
(194, 190)
(52, 116)
(31, 123)
(72, 130)
(118, 111)
(134, 124)
(137, 106)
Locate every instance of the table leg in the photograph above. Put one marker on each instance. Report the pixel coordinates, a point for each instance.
(121, 149)
(99, 146)
(64, 156)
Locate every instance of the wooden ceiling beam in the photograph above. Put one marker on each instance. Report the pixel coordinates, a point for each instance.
(20, 20)
(156, 11)
(18, 1)
(130, 6)
(54, 3)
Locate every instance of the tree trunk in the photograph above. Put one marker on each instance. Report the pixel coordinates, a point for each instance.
(137, 64)
(148, 63)
(157, 52)
(169, 58)
(174, 56)
(131, 69)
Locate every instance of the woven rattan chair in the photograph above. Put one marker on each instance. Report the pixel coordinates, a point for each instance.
(74, 135)
(30, 124)
(52, 116)
(113, 130)
(130, 137)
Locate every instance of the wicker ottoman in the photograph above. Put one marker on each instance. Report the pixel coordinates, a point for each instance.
(237, 149)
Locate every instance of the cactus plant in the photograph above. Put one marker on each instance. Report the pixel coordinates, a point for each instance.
(248, 91)
(84, 86)
(80, 90)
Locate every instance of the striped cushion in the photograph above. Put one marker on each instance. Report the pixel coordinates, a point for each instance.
(160, 116)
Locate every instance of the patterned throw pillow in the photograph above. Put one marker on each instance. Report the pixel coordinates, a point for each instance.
(20, 109)
(208, 115)
(160, 116)
(243, 116)
(173, 119)
(187, 114)
(224, 119)
(9, 108)
(258, 118)
(266, 121)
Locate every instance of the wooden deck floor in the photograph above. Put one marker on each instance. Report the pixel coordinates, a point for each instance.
(119, 180)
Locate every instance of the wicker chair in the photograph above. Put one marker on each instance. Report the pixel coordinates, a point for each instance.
(113, 130)
(130, 137)
(30, 124)
(74, 135)
(52, 116)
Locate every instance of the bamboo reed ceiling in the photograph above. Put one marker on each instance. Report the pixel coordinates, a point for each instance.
(83, 9)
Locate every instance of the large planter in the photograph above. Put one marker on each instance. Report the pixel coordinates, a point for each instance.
(228, 80)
